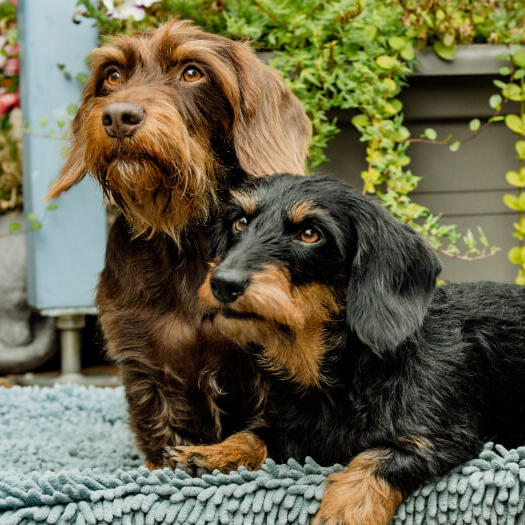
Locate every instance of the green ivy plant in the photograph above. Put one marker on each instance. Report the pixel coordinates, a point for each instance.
(355, 55)
(514, 90)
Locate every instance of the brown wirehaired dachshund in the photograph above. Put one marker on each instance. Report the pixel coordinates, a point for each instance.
(169, 122)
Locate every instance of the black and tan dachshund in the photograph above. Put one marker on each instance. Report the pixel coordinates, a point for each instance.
(371, 364)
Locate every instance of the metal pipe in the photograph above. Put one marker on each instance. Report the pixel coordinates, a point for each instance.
(70, 327)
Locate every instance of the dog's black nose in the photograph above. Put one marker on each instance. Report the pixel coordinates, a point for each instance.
(227, 285)
(121, 119)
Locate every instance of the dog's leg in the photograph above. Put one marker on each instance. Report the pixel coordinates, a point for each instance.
(159, 413)
(243, 448)
(358, 495)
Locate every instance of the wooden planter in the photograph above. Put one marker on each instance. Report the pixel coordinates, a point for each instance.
(466, 186)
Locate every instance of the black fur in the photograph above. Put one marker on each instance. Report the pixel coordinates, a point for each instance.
(428, 373)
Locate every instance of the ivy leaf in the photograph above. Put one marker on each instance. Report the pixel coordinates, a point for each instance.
(445, 52)
(516, 179)
(474, 124)
(72, 109)
(431, 134)
(14, 226)
(517, 255)
(401, 134)
(389, 85)
(513, 202)
(513, 92)
(520, 149)
(504, 71)
(515, 124)
(360, 120)
(519, 58)
(495, 101)
(397, 42)
(52, 206)
(408, 52)
(82, 78)
(370, 178)
(31, 217)
(393, 107)
(36, 226)
(454, 146)
(387, 62)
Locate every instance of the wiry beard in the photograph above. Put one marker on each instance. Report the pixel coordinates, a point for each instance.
(153, 199)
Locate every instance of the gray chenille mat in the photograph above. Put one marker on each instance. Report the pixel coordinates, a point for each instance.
(67, 456)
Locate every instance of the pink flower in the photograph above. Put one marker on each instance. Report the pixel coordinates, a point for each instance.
(11, 67)
(8, 101)
(11, 50)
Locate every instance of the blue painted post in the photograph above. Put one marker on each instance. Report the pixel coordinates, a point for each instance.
(66, 255)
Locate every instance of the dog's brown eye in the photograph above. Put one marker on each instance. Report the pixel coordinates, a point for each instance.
(191, 74)
(113, 76)
(240, 224)
(310, 236)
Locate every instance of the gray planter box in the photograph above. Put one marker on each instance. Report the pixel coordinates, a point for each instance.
(466, 186)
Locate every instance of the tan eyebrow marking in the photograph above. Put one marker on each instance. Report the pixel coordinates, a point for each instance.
(302, 210)
(246, 200)
(105, 55)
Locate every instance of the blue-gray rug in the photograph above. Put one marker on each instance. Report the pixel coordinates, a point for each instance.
(67, 456)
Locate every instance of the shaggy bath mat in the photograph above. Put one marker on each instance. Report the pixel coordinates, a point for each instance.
(67, 456)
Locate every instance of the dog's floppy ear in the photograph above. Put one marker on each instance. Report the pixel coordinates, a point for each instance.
(72, 172)
(271, 131)
(74, 169)
(392, 278)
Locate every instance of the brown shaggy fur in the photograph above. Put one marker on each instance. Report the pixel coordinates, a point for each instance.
(184, 383)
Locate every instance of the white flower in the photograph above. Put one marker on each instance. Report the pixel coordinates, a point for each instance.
(127, 8)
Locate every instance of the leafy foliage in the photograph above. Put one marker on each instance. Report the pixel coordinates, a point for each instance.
(514, 90)
(345, 54)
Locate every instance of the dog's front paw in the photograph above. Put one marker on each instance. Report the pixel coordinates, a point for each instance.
(357, 496)
(243, 448)
(150, 465)
(338, 506)
(186, 456)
